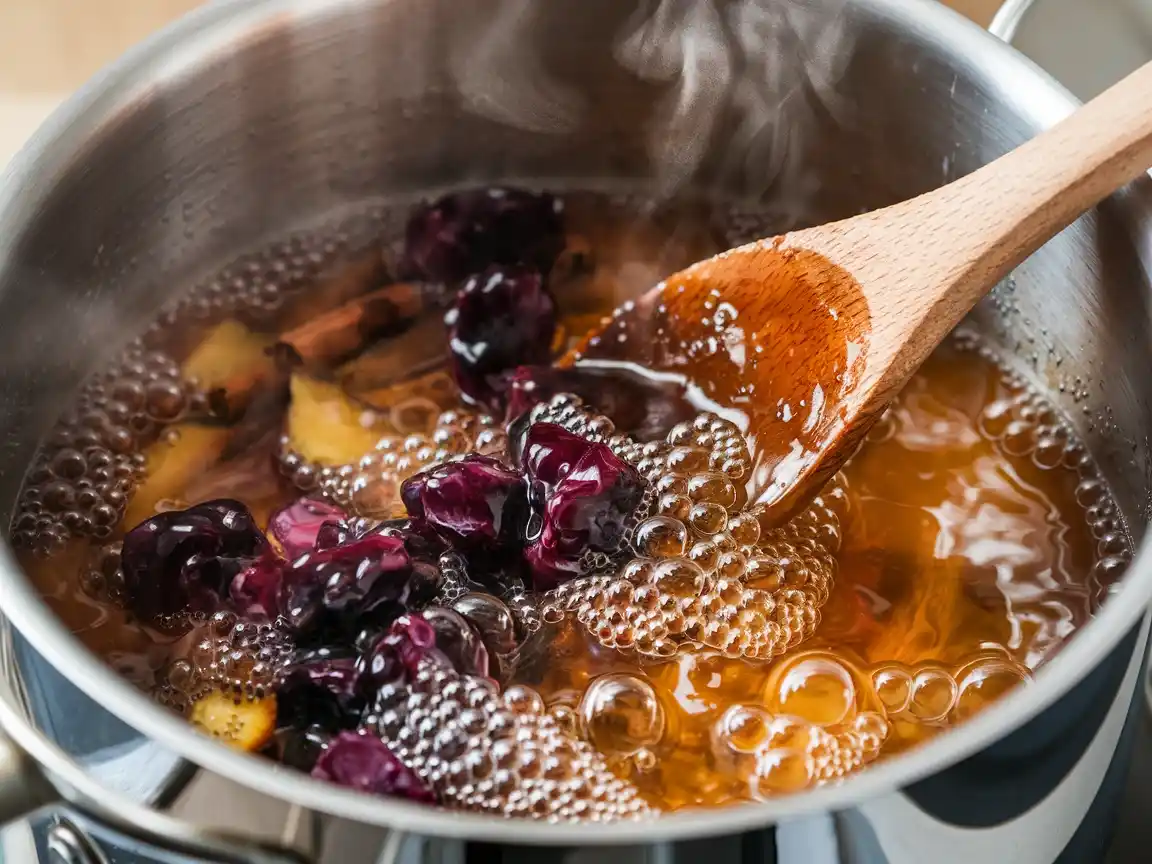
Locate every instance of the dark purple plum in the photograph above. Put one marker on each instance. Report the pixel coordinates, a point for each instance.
(395, 657)
(363, 762)
(300, 747)
(345, 588)
(254, 590)
(296, 526)
(475, 504)
(502, 318)
(425, 548)
(185, 560)
(319, 688)
(642, 406)
(464, 232)
(337, 532)
(331, 534)
(420, 538)
(589, 509)
(549, 454)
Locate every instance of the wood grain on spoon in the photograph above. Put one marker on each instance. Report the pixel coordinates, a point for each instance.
(804, 338)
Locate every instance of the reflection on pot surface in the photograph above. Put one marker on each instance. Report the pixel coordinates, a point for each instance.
(338, 507)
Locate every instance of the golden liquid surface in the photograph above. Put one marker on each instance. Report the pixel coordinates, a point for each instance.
(974, 540)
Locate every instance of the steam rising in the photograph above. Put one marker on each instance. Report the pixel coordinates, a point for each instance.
(759, 73)
(684, 42)
(501, 77)
(744, 80)
(768, 65)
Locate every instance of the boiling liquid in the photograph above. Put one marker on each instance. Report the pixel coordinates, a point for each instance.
(964, 545)
(976, 539)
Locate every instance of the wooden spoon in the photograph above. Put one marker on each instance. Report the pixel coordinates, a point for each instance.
(804, 338)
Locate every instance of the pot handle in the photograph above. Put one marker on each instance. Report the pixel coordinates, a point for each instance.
(25, 789)
(82, 840)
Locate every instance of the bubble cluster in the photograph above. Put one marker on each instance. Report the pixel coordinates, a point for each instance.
(507, 618)
(726, 730)
(523, 604)
(454, 580)
(822, 718)
(502, 634)
(499, 753)
(710, 445)
(817, 723)
(707, 570)
(86, 470)
(102, 578)
(1026, 424)
(256, 287)
(932, 694)
(776, 754)
(371, 487)
(225, 653)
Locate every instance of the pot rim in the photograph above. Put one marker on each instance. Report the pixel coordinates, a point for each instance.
(210, 30)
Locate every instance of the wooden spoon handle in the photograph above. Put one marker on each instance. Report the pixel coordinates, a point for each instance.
(1009, 208)
(1043, 185)
(955, 243)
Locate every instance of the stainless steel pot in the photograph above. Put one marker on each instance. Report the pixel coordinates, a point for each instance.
(253, 116)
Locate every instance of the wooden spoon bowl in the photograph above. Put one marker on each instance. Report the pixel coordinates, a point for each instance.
(803, 339)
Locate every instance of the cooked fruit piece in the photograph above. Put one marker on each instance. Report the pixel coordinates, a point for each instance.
(364, 762)
(347, 330)
(353, 274)
(418, 350)
(246, 724)
(501, 318)
(339, 591)
(585, 496)
(319, 688)
(327, 426)
(464, 232)
(183, 561)
(414, 405)
(232, 358)
(295, 526)
(182, 454)
(475, 504)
